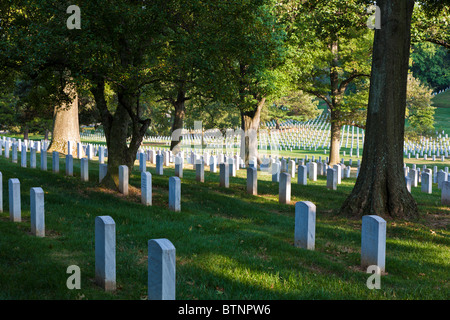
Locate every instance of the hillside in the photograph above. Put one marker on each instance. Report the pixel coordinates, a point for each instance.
(442, 115)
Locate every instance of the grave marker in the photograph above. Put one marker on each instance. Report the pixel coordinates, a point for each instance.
(252, 181)
(37, 215)
(291, 168)
(224, 175)
(84, 169)
(69, 165)
(284, 188)
(179, 167)
(33, 158)
(14, 152)
(146, 188)
(200, 171)
(373, 242)
(302, 175)
(105, 252)
(332, 179)
(159, 164)
(161, 270)
(55, 162)
(14, 200)
(275, 172)
(312, 171)
(305, 225)
(445, 193)
(142, 162)
(43, 160)
(102, 171)
(427, 182)
(408, 183)
(23, 159)
(174, 194)
(123, 179)
(441, 178)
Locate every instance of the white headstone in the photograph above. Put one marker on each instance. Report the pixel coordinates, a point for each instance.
(123, 179)
(305, 225)
(146, 188)
(373, 242)
(161, 270)
(105, 252)
(14, 200)
(37, 215)
(174, 194)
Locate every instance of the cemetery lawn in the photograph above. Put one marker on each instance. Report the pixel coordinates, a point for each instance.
(229, 245)
(442, 112)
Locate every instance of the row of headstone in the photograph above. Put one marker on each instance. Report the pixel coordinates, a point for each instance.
(146, 186)
(333, 174)
(373, 234)
(174, 185)
(55, 160)
(426, 177)
(161, 261)
(161, 252)
(37, 215)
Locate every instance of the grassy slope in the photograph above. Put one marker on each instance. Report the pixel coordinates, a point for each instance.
(442, 114)
(230, 245)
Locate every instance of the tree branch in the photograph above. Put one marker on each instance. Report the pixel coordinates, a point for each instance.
(352, 77)
(443, 43)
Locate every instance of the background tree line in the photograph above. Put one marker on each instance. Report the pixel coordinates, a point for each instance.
(139, 67)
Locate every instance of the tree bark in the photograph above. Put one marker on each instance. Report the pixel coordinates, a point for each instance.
(118, 127)
(380, 188)
(178, 120)
(66, 126)
(335, 139)
(249, 139)
(25, 133)
(336, 97)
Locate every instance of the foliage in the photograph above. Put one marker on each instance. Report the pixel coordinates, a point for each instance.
(419, 109)
(230, 245)
(214, 115)
(431, 64)
(330, 52)
(296, 105)
(431, 23)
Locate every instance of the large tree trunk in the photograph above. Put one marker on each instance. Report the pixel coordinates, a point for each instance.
(178, 120)
(336, 97)
(118, 153)
(116, 127)
(66, 126)
(249, 139)
(25, 133)
(380, 188)
(335, 139)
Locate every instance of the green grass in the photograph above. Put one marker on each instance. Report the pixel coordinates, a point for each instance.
(442, 113)
(229, 245)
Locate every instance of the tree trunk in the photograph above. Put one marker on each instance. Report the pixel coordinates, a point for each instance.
(118, 153)
(336, 97)
(116, 127)
(380, 188)
(66, 126)
(335, 143)
(178, 120)
(25, 133)
(249, 139)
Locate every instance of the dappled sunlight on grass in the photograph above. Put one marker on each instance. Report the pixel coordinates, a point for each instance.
(230, 245)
